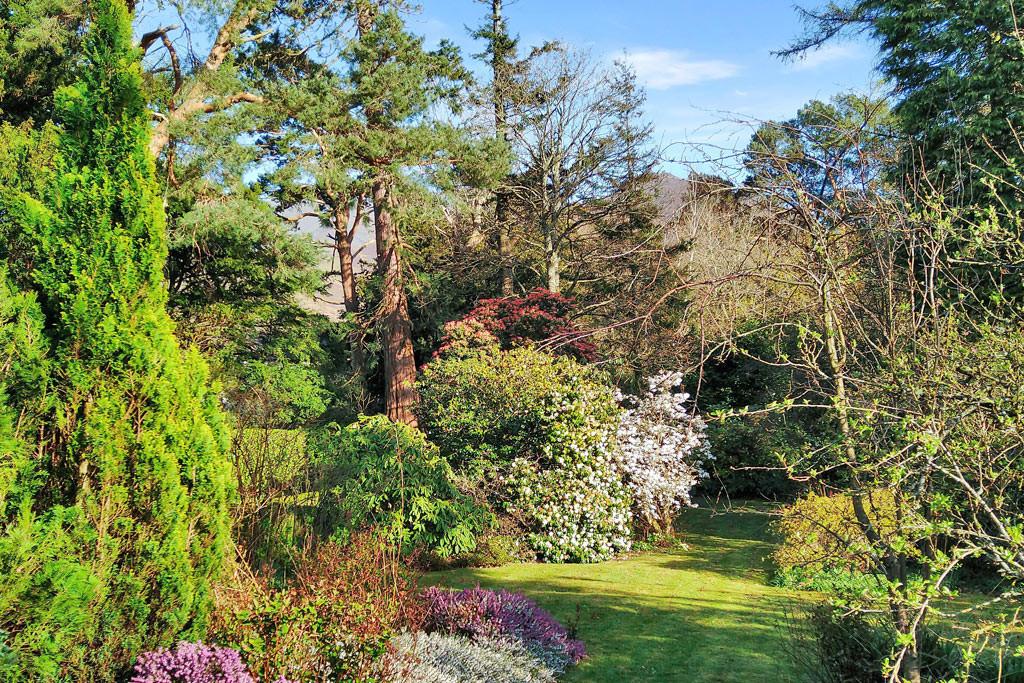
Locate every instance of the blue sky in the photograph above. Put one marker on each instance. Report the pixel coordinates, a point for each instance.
(707, 64)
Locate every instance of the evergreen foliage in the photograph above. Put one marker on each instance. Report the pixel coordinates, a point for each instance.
(956, 68)
(115, 478)
(537, 432)
(38, 41)
(386, 475)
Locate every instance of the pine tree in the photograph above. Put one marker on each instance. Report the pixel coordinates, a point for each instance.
(957, 70)
(114, 478)
(395, 84)
(501, 54)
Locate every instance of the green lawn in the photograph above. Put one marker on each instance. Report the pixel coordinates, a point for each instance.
(700, 615)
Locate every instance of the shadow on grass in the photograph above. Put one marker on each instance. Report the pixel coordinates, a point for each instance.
(702, 615)
(734, 544)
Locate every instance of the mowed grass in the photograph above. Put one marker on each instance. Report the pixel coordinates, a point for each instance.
(700, 615)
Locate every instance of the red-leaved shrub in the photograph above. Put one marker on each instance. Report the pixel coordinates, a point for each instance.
(334, 619)
(540, 317)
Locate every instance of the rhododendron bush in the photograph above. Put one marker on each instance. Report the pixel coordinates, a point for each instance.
(536, 431)
(661, 452)
(580, 509)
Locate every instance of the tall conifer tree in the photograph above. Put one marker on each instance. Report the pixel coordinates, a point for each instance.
(395, 85)
(114, 477)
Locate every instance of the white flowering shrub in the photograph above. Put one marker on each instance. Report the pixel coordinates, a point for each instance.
(581, 512)
(573, 492)
(538, 432)
(662, 451)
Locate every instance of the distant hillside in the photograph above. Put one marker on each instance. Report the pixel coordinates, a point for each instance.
(330, 301)
(671, 193)
(674, 198)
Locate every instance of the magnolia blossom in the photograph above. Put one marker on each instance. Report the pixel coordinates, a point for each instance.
(662, 450)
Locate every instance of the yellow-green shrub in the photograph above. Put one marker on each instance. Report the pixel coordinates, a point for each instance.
(822, 532)
(115, 476)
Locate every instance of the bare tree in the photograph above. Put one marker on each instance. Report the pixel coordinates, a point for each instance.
(584, 151)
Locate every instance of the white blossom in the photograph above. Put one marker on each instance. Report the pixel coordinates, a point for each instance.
(662, 450)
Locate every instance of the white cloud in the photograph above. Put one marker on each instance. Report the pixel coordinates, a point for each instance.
(835, 52)
(665, 69)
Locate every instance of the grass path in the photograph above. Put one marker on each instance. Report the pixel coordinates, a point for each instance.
(701, 615)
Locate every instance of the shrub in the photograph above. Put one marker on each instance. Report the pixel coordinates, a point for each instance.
(749, 447)
(847, 648)
(820, 534)
(537, 430)
(191, 663)
(749, 453)
(661, 451)
(447, 658)
(386, 475)
(494, 551)
(851, 647)
(334, 619)
(578, 512)
(274, 475)
(539, 317)
(830, 579)
(481, 613)
(115, 516)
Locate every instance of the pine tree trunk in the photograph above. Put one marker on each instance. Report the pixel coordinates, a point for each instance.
(499, 71)
(399, 361)
(346, 265)
(343, 246)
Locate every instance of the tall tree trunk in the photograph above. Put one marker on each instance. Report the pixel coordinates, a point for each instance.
(552, 261)
(343, 212)
(343, 215)
(400, 396)
(499, 94)
(399, 361)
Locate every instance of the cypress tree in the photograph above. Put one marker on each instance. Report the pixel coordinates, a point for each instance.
(114, 475)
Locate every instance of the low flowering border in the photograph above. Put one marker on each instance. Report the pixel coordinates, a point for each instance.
(481, 613)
